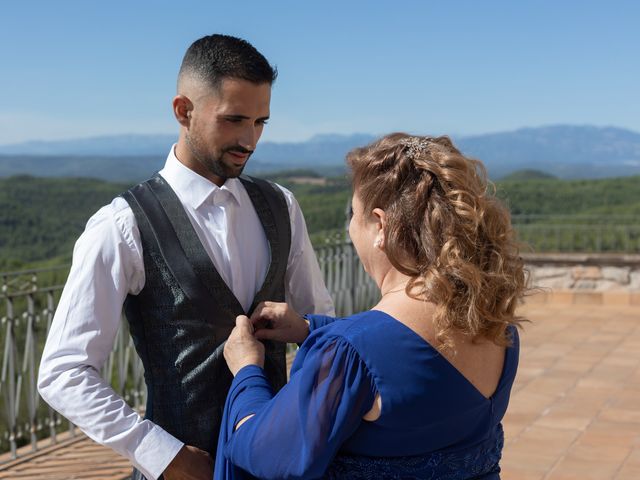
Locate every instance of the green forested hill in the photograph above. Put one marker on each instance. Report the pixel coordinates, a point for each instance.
(604, 197)
(40, 218)
(323, 203)
(528, 174)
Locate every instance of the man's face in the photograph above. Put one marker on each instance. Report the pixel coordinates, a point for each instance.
(226, 124)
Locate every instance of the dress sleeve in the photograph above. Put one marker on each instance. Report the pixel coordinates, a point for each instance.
(317, 321)
(296, 433)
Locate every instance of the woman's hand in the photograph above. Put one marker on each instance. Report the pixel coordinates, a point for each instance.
(242, 348)
(278, 321)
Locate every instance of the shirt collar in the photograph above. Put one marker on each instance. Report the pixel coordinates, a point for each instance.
(193, 188)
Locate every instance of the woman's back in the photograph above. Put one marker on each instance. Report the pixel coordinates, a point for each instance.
(427, 404)
(480, 362)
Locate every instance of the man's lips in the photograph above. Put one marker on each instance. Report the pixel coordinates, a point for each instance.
(239, 155)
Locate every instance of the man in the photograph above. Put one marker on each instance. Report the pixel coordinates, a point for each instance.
(185, 253)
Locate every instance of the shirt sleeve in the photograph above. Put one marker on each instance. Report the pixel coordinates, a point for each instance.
(107, 265)
(296, 433)
(305, 290)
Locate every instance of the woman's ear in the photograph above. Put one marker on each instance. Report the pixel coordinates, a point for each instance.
(380, 218)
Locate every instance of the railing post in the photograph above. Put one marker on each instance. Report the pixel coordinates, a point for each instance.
(8, 378)
(52, 417)
(346, 257)
(28, 368)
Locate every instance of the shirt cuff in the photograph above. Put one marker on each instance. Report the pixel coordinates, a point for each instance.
(155, 452)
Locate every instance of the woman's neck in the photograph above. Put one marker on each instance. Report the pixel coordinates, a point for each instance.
(393, 281)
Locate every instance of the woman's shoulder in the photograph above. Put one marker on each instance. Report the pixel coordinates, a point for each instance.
(365, 332)
(351, 337)
(362, 323)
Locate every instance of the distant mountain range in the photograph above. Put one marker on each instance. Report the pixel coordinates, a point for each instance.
(565, 151)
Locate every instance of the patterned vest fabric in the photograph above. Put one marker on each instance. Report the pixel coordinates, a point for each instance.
(185, 312)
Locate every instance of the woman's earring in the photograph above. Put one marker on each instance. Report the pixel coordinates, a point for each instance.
(377, 243)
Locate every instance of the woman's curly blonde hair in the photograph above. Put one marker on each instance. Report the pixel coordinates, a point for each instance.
(446, 230)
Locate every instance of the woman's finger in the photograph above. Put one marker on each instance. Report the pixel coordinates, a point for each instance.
(263, 318)
(267, 334)
(259, 313)
(244, 325)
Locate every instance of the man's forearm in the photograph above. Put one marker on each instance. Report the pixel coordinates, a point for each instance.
(86, 399)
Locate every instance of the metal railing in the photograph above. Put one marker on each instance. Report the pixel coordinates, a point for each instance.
(579, 233)
(580, 237)
(29, 298)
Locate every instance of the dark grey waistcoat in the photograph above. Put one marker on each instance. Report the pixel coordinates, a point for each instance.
(185, 312)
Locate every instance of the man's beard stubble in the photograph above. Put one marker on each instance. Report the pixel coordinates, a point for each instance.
(215, 164)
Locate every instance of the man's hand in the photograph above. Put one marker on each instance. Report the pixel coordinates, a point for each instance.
(242, 348)
(191, 463)
(278, 321)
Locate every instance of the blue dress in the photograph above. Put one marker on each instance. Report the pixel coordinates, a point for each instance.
(434, 423)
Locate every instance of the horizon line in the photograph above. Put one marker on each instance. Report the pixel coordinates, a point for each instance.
(320, 134)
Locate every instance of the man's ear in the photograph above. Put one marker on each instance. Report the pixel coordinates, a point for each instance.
(182, 110)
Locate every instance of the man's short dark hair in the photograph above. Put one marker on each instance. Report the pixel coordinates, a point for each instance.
(216, 57)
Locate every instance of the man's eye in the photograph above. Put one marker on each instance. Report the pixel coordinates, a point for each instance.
(262, 122)
(233, 120)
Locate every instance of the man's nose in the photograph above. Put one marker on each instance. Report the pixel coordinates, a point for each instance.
(249, 137)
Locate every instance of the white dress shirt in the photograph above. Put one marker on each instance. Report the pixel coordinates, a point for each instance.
(108, 265)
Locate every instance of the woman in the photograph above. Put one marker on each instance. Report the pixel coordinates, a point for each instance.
(417, 386)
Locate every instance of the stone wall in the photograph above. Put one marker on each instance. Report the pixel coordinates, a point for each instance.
(585, 278)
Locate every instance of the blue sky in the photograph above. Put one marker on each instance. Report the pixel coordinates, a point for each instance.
(76, 68)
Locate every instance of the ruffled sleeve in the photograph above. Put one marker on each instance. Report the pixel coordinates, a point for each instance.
(296, 433)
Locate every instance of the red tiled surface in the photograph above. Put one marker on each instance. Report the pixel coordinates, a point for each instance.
(73, 458)
(575, 409)
(574, 412)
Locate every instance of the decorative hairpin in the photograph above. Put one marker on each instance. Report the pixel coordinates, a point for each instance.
(415, 145)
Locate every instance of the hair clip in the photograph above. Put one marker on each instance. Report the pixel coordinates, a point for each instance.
(415, 145)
